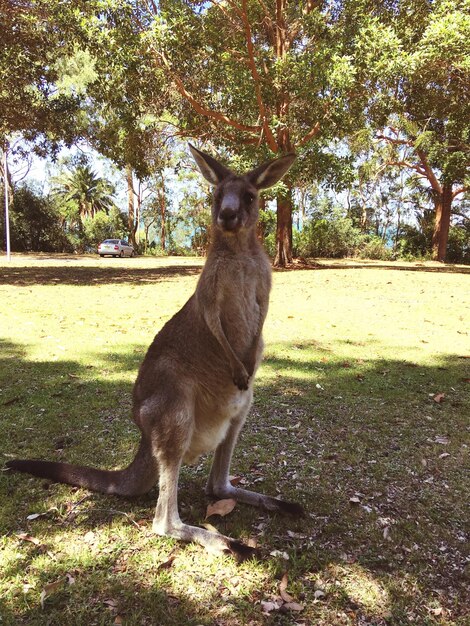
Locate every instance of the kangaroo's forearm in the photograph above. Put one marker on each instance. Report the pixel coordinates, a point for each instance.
(240, 375)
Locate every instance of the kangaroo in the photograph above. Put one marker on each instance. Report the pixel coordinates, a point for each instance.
(195, 386)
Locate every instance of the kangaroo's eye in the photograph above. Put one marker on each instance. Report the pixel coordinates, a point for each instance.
(249, 197)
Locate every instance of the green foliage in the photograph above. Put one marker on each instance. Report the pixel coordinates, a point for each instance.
(36, 36)
(373, 247)
(82, 187)
(35, 223)
(103, 226)
(325, 237)
(459, 244)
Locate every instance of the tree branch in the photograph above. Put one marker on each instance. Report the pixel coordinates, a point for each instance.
(423, 168)
(270, 140)
(227, 14)
(312, 133)
(435, 184)
(398, 142)
(202, 110)
(460, 190)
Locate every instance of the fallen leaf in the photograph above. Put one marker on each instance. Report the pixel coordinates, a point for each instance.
(89, 537)
(283, 555)
(11, 401)
(293, 535)
(319, 593)
(221, 507)
(50, 589)
(168, 563)
(142, 522)
(212, 529)
(268, 607)
(117, 620)
(386, 533)
(34, 516)
(444, 455)
(282, 589)
(26, 537)
(442, 440)
(355, 500)
(111, 603)
(70, 579)
(437, 611)
(439, 397)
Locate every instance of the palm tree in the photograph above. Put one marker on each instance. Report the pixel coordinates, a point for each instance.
(86, 189)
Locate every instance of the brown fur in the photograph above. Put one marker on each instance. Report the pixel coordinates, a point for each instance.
(195, 385)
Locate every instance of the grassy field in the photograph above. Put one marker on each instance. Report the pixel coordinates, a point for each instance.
(362, 413)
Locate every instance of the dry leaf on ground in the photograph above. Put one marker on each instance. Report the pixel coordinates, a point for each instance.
(282, 589)
(221, 507)
(30, 538)
(49, 589)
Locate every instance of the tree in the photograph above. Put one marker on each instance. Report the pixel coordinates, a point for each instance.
(84, 187)
(256, 76)
(35, 222)
(415, 58)
(36, 36)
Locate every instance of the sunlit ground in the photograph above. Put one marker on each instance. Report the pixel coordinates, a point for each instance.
(361, 414)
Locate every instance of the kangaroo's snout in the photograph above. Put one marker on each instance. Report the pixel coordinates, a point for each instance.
(228, 218)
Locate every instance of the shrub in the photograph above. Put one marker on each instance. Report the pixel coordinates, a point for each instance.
(372, 247)
(334, 238)
(458, 246)
(35, 224)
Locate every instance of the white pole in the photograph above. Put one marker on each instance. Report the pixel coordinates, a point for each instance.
(7, 216)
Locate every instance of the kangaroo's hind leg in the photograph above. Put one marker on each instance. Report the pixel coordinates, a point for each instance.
(171, 438)
(219, 485)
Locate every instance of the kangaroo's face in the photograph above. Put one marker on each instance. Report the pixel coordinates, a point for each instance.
(235, 204)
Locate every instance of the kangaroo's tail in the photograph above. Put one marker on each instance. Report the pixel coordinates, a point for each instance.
(138, 478)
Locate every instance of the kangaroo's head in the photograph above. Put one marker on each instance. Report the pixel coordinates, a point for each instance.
(236, 197)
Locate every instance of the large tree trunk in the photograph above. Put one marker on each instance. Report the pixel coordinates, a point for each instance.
(260, 227)
(162, 201)
(132, 225)
(163, 224)
(443, 204)
(284, 231)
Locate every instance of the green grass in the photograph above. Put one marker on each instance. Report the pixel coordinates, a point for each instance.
(344, 408)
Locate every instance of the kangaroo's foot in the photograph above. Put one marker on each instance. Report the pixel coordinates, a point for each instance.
(212, 542)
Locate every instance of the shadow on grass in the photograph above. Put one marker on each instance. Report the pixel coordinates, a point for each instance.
(361, 265)
(376, 461)
(82, 275)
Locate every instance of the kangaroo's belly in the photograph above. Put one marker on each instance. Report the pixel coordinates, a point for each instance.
(213, 419)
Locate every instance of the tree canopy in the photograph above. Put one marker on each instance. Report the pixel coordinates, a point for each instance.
(356, 88)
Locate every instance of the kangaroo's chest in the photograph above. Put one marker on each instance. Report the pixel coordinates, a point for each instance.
(241, 307)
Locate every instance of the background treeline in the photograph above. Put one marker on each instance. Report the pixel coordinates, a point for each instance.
(372, 96)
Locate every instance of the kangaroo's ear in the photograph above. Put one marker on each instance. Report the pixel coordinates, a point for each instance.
(269, 173)
(210, 168)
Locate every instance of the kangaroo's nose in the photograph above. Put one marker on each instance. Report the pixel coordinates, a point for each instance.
(227, 214)
(228, 218)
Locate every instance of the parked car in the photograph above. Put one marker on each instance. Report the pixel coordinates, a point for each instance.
(115, 247)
